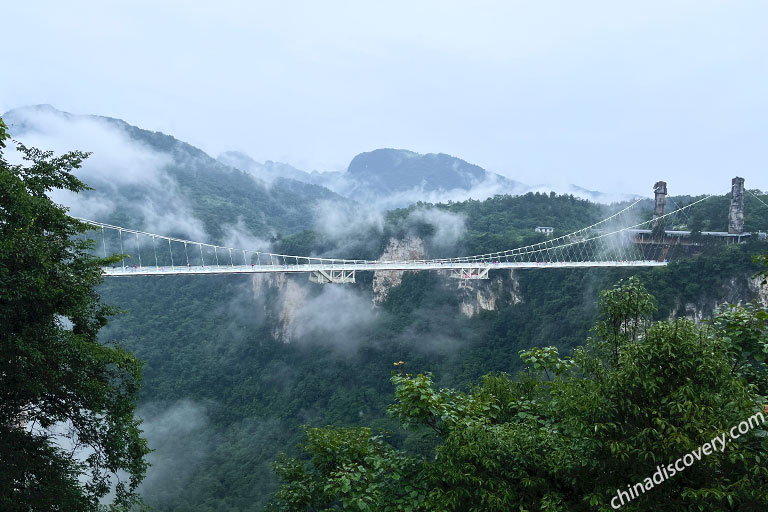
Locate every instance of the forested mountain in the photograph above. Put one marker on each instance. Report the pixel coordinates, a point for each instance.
(391, 178)
(153, 181)
(234, 365)
(390, 173)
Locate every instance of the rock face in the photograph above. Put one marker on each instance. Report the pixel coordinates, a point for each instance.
(760, 290)
(484, 295)
(284, 298)
(735, 290)
(409, 248)
(474, 295)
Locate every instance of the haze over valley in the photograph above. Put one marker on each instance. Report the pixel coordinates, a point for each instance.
(431, 256)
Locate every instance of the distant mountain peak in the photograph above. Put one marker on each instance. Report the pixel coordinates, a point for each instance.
(394, 170)
(384, 177)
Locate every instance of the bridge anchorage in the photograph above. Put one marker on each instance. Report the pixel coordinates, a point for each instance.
(616, 241)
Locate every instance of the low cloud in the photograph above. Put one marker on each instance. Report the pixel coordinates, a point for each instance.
(488, 187)
(129, 177)
(337, 316)
(180, 439)
(238, 236)
(339, 221)
(117, 160)
(449, 227)
(350, 229)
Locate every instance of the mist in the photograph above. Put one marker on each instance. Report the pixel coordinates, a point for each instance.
(130, 178)
(180, 441)
(337, 316)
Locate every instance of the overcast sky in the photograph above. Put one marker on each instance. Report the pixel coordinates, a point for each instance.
(608, 95)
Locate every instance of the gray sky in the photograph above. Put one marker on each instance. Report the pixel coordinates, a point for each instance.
(608, 95)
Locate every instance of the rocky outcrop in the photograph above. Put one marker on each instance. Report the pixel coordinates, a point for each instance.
(760, 290)
(474, 295)
(409, 248)
(695, 312)
(736, 290)
(283, 298)
(485, 295)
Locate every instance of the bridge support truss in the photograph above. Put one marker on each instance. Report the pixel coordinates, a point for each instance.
(470, 273)
(332, 276)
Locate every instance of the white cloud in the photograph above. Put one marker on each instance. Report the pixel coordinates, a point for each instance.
(128, 176)
(179, 435)
(345, 220)
(336, 315)
(449, 226)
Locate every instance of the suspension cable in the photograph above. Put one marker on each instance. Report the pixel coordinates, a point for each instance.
(122, 256)
(756, 197)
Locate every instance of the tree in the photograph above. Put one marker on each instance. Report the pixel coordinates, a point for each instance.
(67, 401)
(352, 469)
(570, 433)
(762, 259)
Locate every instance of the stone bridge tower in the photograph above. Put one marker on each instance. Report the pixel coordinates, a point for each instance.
(660, 190)
(736, 213)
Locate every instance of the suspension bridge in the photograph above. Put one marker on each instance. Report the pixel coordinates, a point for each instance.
(611, 242)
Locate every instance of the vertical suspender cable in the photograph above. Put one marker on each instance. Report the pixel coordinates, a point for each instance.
(216, 253)
(170, 251)
(138, 249)
(231, 263)
(186, 254)
(201, 255)
(154, 249)
(104, 241)
(122, 256)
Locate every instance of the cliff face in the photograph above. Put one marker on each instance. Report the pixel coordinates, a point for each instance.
(284, 298)
(742, 289)
(409, 248)
(484, 295)
(474, 296)
(760, 291)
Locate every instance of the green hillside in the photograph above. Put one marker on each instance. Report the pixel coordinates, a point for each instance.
(211, 341)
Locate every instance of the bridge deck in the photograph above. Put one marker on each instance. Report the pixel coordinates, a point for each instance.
(361, 267)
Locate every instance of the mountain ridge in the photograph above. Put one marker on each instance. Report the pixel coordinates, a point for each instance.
(138, 173)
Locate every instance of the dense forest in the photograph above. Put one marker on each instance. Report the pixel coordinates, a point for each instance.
(384, 257)
(225, 392)
(629, 413)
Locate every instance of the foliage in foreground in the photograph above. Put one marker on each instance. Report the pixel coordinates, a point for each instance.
(569, 432)
(66, 401)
